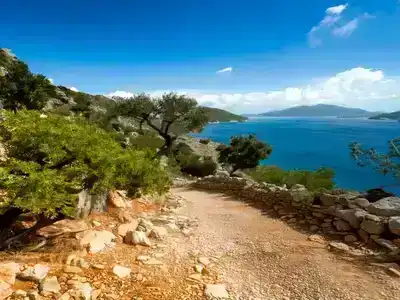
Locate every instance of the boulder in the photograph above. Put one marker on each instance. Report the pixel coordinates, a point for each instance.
(374, 195)
(8, 272)
(385, 243)
(387, 207)
(96, 241)
(373, 224)
(123, 229)
(300, 194)
(83, 291)
(50, 285)
(63, 227)
(342, 225)
(394, 225)
(118, 199)
(216, 291)
(5, 290)
(137, 238)
(352, 216)
(328, 199)
(145, 225)
(36, 273)
(158, 233)
(121, 272)
(222, 173)
(350, 238)
(361, 202)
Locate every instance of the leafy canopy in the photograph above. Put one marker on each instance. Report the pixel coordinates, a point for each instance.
(20, 88)
(244, 152)
(52, 158)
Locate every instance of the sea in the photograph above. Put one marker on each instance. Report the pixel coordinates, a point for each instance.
(310, 143)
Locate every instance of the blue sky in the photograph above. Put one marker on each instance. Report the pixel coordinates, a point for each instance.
(274, 54)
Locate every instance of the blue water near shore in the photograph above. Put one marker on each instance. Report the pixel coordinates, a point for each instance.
(309, 143)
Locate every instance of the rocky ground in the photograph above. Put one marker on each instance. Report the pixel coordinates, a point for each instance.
(199, 245)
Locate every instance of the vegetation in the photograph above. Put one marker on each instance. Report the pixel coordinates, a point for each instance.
(244, 152)
(20, 88)
(220, 115)
(385, 163)
(52, 158)
(204, 141)
(169, 115)
(315, 181)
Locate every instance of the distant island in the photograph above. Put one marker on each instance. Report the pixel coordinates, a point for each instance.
(220, 115)
(387, 116)
(321, 110)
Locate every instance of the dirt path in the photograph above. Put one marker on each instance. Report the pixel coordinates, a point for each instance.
(259, 257)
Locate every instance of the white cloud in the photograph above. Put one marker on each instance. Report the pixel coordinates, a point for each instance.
(225, 70)
(122, 94)
(73, 89)
(357, 87)
(334, 22)
(336, 10)
(347, 29)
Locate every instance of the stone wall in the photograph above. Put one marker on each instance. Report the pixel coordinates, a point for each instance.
(346, 215)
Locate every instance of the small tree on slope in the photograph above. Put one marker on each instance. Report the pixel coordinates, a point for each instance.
(244, 152)
(169, 115)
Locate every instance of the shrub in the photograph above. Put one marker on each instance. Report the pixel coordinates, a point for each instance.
(321, 179)
(244, 152)
(200, 168)
(52, 158)
(204, 141)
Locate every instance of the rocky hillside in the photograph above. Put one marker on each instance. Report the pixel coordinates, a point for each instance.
(387, 116)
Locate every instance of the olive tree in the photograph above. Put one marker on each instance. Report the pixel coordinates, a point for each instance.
(244, 152)
(169, 115)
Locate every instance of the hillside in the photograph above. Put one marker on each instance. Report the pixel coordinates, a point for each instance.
(320, 110)
(220, 115)
(391, 116)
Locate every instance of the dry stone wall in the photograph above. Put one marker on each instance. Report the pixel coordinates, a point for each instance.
(347, 215)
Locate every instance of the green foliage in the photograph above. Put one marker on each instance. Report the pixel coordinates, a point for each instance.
(20, 88)
(52, 158)
(219, 115)
(196, 166)
(321, 179)
(204, 141)
(168, 116)
(385, 163)
(244, 152)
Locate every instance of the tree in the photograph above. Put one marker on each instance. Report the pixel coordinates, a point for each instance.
(20, 88)
(52, 158)
(385, 163)
(170, 115)
(244, 152)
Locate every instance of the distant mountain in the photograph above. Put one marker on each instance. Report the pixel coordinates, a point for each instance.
(320, 110)
(391, 116)
(220, 115)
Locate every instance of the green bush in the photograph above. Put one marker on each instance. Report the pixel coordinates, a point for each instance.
(321, 179)
(200, 168)
(52, 158)
(204, 141)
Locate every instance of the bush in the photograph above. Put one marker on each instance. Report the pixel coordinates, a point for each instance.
(204, 141)
(200, 168)
(52, 158)
(321, 179)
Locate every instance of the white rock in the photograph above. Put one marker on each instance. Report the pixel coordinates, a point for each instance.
(137, 238)
(96, 241)
(84, 290)
(143, 258)
(172, 227)
(123, 229)
(338, 246)
(216, 291)
(158, 232)
(198, 268)
(62, 227)
(35, 273)
(121, 272)
(50, 284)
(205, 261)
(8, 272)
(145, 225)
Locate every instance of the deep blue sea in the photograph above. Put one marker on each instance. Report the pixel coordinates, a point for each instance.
(309, 143)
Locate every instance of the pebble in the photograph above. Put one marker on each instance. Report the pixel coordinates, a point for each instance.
(72, 270)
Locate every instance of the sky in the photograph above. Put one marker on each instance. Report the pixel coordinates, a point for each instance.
(244, 56)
